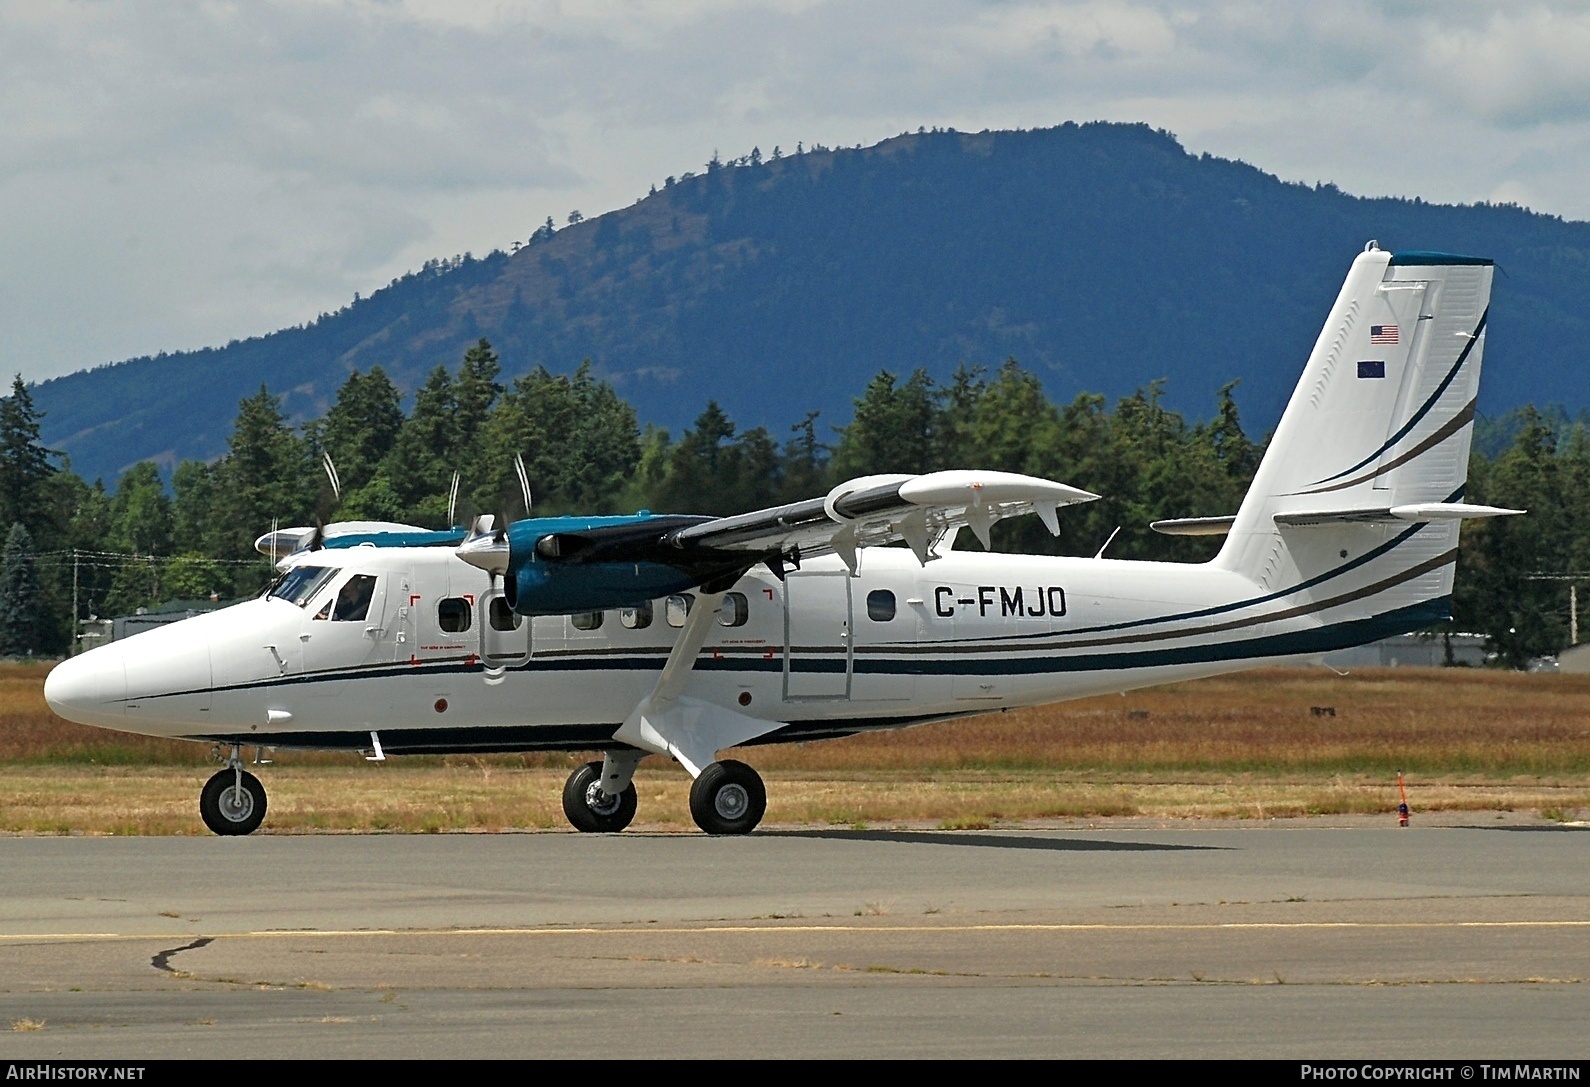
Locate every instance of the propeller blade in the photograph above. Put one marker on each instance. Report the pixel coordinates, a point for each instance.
(524, 481)
(452, 502)
(331, 474)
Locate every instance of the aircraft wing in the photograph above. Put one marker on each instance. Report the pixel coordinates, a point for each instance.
(566, 565)
(873, 510)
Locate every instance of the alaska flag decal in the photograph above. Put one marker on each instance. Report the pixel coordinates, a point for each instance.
(1372, 369)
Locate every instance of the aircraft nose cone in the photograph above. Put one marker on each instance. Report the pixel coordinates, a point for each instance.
(90, 689)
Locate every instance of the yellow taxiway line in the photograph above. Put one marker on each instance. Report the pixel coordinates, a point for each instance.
(707, 930)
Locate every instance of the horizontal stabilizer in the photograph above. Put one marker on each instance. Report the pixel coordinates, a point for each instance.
(1422, 512)
(1194, 526)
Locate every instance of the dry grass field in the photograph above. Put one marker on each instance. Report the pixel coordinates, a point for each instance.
(1267, 744)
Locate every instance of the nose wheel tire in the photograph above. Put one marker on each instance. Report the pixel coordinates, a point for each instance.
(728, 798)
(226, 809)
(592, 810)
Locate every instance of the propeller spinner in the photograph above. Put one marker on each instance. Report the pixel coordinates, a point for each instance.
(486, 546)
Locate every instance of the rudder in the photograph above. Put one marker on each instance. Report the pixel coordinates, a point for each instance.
(1376, 433)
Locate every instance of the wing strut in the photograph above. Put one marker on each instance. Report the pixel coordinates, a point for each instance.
(690, 730)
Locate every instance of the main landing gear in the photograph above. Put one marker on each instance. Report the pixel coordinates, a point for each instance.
(233, 801)
(726, 798)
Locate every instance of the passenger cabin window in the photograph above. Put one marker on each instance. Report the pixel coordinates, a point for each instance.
(734, 610)
(586, 620)
(501, 616)
(880, 605)
(353, 599)
(300, 583)
(636, 618)
(678, 607)
(452, 615)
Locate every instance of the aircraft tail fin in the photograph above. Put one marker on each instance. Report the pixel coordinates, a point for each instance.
(1360, 491)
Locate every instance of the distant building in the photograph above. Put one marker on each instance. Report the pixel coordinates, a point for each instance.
(125, 626)
(92, 632)
(1421, 650)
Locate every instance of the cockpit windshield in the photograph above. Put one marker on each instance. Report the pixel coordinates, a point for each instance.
(300, 583)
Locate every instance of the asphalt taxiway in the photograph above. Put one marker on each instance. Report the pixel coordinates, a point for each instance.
(1283, 941)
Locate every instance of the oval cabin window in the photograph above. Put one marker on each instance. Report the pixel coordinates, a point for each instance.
(734, 610)
(677, 608)
(452, 615)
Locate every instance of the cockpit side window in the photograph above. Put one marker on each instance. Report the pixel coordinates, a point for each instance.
(300, 583)
(353, 599)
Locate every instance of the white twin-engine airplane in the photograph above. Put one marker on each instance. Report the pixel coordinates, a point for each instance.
(685, 635)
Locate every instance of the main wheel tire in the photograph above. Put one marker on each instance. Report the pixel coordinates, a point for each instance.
(227, 810)
(592, 810)
(728, 798)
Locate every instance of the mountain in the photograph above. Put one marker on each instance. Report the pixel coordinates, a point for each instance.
(1101, 256)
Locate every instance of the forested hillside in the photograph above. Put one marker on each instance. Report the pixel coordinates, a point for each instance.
(160, 536)
(1101, 256)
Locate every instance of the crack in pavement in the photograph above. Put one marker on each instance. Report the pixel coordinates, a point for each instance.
(162, 960)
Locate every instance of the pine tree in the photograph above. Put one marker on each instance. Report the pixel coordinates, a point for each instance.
(266, 476)
(579, 440)
(21, 628)
(362, 426)
(419, 468)
(24, 462)
(474, 392)
(192, 517)
(141, 513)
(893, 429)
(805, 469)
(1522, 619)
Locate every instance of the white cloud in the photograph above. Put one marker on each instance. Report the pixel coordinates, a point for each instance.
(175, 174)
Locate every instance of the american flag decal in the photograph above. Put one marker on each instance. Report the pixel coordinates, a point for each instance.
(1382, 333)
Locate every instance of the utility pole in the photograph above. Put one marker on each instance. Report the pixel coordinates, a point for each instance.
(1573, 580)
(72, 649)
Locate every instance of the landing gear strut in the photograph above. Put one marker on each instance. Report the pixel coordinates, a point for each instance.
(233, 801)
(728, 798)
(590, 809)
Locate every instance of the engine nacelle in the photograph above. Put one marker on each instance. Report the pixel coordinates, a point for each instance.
(568, 565)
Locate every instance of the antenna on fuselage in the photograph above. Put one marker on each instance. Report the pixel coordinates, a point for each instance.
(452, 501)
(1099, 554)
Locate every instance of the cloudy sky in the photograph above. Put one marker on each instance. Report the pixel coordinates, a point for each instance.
(176, 174)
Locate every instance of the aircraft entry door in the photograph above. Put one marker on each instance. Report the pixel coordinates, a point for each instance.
(817, 629)
(504, 633)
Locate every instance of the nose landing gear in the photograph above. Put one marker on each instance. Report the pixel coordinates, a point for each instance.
(233, 801)
(592, 810)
